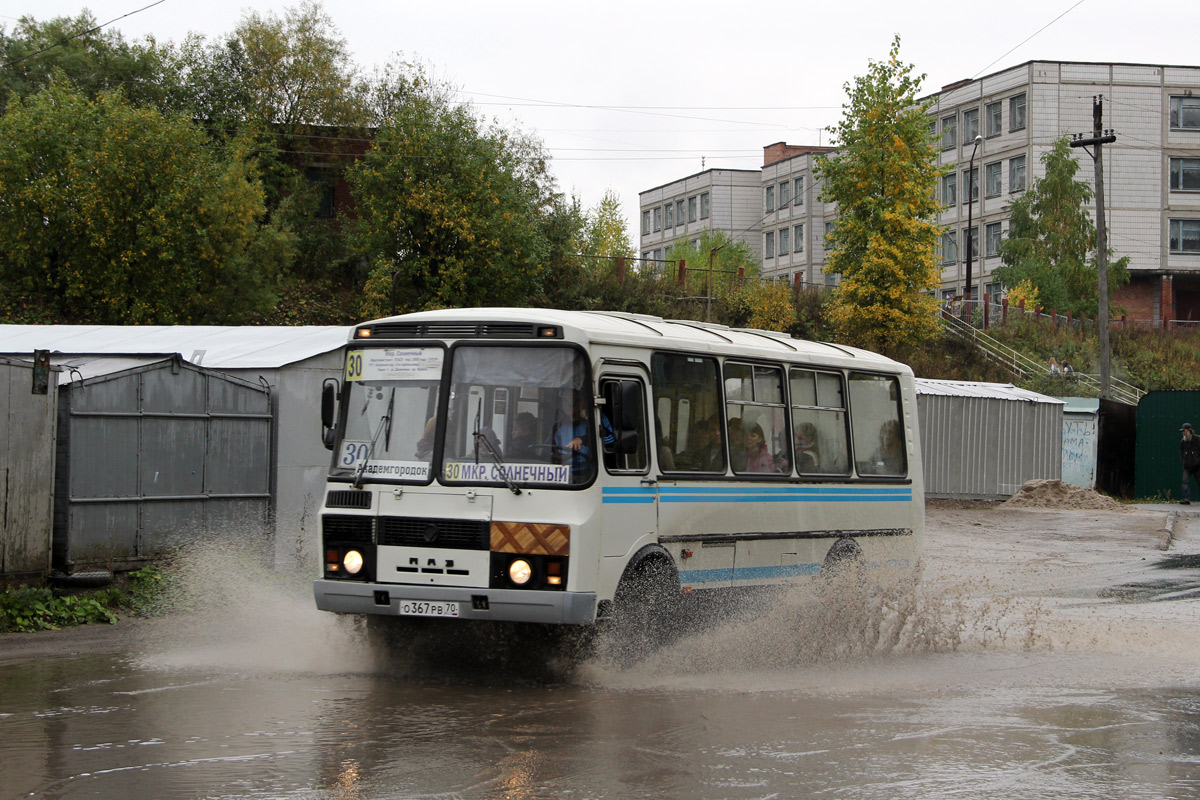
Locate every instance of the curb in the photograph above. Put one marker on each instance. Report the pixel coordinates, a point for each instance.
(1175, 520)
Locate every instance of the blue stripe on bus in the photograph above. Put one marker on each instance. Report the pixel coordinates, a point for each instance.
(725, 575)
(757, 494)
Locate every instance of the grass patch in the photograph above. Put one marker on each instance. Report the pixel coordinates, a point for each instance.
(41, 608)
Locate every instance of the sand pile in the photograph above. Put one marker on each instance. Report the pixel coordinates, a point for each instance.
(1054, 494)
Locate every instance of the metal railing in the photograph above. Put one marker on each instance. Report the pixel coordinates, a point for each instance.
(1023, 366)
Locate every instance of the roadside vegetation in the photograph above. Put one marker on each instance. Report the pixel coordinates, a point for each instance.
(41, 608)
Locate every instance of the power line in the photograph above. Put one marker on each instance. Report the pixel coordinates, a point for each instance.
(81, 33)
(1027, 38)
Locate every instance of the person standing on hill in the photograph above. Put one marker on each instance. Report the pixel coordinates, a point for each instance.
(1189, 454)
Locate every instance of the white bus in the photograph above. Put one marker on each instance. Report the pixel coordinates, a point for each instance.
(535, 465)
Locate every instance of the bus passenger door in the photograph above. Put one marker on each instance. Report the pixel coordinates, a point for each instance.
(630, 496)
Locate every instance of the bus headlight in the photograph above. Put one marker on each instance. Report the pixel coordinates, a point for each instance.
(519, 572)
(353, 562)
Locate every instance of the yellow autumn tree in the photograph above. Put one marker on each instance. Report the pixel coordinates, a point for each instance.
(884, 243)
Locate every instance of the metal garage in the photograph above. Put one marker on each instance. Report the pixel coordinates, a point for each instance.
(984, 440)
(153, 452)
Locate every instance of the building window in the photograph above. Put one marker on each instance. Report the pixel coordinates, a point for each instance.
(704, 205)
(1185, 236)
(992, 112)
(785, 193)
(971, 182)
(991, 179)
(950, 190)
(1016, 113)
(993, 239)
(769, 244)
(949, 132)
(656, 255)
(770, 199)
(692, 208)
(646, 256)
(1016, 174)
(993, 293)
(784, 245)
(830, 227)
(669, 213)
(1185, 112)
(798, 238)
(798, 194)
(949, 247)
(657, 218)
(678, 212)
(971, 238)
(323, 180)
(645, 221)
(1185, 174)
(970, 124)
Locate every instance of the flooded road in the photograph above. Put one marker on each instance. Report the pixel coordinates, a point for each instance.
(1045, 654)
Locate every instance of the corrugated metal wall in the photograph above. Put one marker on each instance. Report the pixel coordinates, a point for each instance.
(985, 448)
(1158, 469)
(26, 471)
(155, 456)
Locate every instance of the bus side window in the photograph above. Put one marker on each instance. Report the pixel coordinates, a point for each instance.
(620, 422)
(879, 447)
(689, 434)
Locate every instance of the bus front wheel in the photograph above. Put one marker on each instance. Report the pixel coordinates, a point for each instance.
(646, 606)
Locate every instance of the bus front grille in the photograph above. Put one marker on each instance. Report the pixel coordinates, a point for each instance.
(346, 529)
(348, 499)
(457, 534)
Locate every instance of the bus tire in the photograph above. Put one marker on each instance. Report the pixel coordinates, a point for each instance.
(647, 602)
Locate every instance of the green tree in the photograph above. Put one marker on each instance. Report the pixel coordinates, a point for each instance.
(605, 231)
(884, 243)
(452, 211)
(1051, 240)
(115, 214)
(288, 86)
(94, 62)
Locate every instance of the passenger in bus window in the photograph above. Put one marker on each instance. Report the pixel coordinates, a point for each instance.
(805, 442)
(888, 458)
(758, 456)
(707, 455)
(524, 437)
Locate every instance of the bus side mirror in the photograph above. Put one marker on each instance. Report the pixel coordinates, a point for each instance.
(628, 415)
(329, 391)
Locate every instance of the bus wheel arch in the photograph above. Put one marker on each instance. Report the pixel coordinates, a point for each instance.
(646, 602)
(845, 554)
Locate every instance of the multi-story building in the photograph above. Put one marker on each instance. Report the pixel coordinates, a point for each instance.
(716, 199)
(794, 219)
(1151, 176)
(1151, 172)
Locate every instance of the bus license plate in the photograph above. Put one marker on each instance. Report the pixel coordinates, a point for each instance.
(423, 608)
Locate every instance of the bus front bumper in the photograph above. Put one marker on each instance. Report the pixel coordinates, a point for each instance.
(500, 605)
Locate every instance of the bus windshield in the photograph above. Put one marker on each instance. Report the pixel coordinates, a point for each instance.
(520, 416)
(391, 410)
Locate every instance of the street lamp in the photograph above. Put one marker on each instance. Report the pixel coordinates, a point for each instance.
(970, 225)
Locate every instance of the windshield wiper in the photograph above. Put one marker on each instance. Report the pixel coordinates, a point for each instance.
(480, 436)
(385, 423)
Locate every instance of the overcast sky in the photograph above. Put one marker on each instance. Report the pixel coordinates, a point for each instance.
(630, 95)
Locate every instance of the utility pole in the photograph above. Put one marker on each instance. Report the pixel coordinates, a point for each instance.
(1099, 138)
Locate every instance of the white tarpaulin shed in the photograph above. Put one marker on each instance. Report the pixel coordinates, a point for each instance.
(984, 440)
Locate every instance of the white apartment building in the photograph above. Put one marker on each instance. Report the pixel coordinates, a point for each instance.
(716, 199)
(1152, 178)
(1151, 172)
